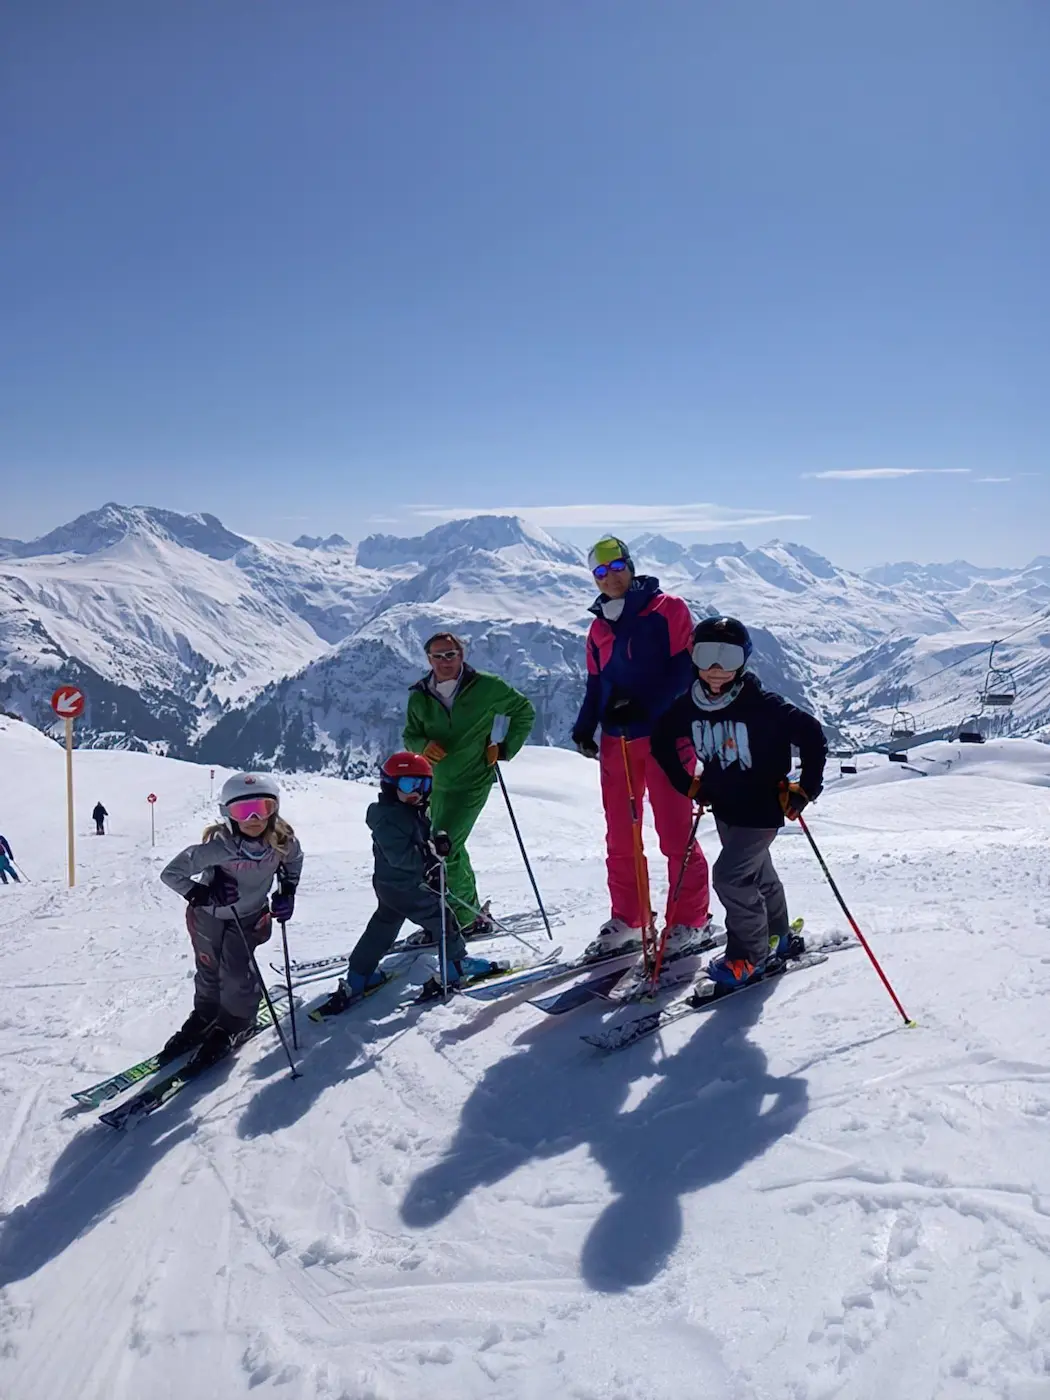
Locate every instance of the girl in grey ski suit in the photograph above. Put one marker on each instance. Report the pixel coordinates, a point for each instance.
(237, 874)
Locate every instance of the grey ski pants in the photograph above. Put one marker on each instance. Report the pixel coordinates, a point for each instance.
(396, 904)
(225, 985)
(750, 891)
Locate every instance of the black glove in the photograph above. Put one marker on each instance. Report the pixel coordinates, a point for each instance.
(585, 743)
(432, 876)
(282, 904)
(221, 891)
(442, 843)
(621, 711)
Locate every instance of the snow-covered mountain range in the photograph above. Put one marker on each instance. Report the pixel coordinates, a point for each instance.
(193, 640)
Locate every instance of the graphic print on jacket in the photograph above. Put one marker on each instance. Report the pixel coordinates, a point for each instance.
(725, 741)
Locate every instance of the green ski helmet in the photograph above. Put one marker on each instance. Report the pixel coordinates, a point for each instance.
(606, 550)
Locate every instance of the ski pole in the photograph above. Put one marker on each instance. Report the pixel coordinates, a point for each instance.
(288, 982)
(498, 923)
(444, 927)
(258, 977)
(641, 873)
(524, 855)
(672, 904)
(853, 923)
(21, 872)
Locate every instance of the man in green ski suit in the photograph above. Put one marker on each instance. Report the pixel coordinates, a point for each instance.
(449, 721)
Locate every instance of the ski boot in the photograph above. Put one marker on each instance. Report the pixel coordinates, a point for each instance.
(733, 973)
(614, 936)
(218, 1042)
(458, 971)
(349, 989)
(680, 936)
(189, 1035)
(483, 925)
(786, 945)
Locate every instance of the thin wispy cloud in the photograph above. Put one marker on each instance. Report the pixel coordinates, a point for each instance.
(992, 480)
(668, 519)
(883, 473)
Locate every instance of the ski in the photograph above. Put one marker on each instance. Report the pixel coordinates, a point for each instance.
(97, 1094)
(706, 995)
(607, 986)
(558, 1003)
(497, 969)
(330, 1008)
(150, 1099)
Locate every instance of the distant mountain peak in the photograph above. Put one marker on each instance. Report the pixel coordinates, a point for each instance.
(316, 542)
(494, 533)
(100, 529)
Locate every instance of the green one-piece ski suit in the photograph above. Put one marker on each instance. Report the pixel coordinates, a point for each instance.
(463, 778)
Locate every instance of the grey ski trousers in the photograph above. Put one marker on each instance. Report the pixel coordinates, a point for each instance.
(396, 904)
(750, 890)
(225, 985)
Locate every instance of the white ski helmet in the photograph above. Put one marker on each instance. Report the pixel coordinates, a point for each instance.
(243, 785)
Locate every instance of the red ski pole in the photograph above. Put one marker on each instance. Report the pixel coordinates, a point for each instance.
(853, 923)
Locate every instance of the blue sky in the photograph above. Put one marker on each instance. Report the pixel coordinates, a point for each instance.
(352, 265)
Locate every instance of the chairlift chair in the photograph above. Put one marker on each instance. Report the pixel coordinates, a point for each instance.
(969, 731)
(898, 757)
(848, 766)
(1000, 689)
(902, 725)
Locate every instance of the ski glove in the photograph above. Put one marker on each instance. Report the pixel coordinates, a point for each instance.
(221, 891)
(442, 843)
(793, 798)
(696, 794)
(622, 711)
(432, 877)
(494, 753)
(585, 743)
(282, 904)
(434, 753)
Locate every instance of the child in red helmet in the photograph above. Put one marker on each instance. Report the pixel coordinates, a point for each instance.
(405, 881)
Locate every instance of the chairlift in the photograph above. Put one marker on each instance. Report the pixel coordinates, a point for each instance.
(1000, 689)
(898, 757)
(902, 725)
(848, 767)
(969, 731)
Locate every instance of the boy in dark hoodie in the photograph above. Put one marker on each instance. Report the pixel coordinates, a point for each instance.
(743, 736)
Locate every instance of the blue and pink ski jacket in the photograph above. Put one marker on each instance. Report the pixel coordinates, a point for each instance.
(645, 655)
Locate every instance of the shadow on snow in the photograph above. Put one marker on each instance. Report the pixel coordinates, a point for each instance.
(705, 1118)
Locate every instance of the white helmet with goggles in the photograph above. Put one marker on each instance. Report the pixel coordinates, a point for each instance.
(248, 795)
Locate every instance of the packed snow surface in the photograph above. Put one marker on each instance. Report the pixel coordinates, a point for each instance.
(791, 1197)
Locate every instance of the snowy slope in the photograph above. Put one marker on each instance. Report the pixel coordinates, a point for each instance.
(792, 1198)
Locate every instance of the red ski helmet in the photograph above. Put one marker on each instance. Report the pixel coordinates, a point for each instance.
(405, 765)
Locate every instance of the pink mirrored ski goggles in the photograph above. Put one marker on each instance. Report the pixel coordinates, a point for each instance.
(244, 808)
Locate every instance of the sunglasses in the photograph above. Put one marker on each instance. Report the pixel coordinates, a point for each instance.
(726, 655)
(443, 655)
(414, 783)
(244, 808)
(616, 566)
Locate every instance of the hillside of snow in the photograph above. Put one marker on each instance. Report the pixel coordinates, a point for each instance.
(790, 1198)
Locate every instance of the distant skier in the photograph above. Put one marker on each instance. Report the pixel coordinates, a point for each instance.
(98, 816)
(7, 862)
(449, 721)
(405, 880)
(238, 860)
(743, 736)
(637, 665)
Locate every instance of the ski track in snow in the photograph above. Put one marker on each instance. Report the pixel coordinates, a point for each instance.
(791, 1197)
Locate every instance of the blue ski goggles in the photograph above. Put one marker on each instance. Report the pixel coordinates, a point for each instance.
(615, 566)
(411, 783)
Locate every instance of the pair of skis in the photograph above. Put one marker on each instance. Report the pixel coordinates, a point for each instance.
(706, 995)
(154, 1095)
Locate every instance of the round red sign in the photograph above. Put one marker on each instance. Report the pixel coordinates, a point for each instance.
(151, 798)
(68, 702)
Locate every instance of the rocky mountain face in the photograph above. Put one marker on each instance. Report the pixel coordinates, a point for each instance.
(200, 642)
